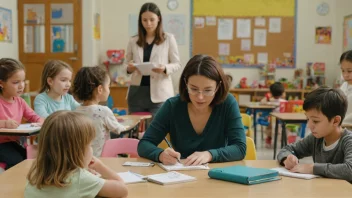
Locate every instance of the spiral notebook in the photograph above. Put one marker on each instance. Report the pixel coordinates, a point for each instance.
(131, 177)
(181, 167)
(287, 173)
(172, 177)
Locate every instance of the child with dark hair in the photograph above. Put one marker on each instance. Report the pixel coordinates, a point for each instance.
(91, 86)
(277, 93)
(328, 144)
(346, 87)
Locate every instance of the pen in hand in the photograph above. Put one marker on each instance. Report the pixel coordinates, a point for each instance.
(169, 144)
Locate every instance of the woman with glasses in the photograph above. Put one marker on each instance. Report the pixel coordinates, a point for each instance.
(204, 121)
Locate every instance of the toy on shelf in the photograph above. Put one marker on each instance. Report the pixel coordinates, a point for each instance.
(255, 84)
(298, 79)
(115, 57)
(315, 75)
(267, 73)
(243, 83)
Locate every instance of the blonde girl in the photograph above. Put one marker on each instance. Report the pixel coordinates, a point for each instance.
(64, 159)
(92, 86)
(12, 109)
(56, 82)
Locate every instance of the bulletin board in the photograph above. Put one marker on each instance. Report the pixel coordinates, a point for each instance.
(347, 33)
(269, 32)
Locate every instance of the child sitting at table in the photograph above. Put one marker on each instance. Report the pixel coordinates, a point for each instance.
(92, 86)
(12, 110)
(65, 166)
(277, 93)
(328, 144)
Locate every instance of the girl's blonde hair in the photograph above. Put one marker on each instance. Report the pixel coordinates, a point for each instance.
(8, 67)
(63, 140)
(51, 69)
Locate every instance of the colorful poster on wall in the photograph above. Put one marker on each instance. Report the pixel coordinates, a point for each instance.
(5, 25)
(97, 26)
(323, 35)
(347, 33)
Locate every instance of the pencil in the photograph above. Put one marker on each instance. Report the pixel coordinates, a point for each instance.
(169, 144)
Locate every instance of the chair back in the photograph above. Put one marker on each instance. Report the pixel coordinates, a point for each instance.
(247, 123)
(251, 152)
(113, 147)
(32, 151)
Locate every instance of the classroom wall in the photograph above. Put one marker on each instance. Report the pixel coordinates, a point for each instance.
(10, 49)
(91, 47)
(115, 34)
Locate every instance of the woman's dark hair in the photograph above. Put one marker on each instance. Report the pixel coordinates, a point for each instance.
(159, 32)
(206, 66)
(86, 80)
(346, 56)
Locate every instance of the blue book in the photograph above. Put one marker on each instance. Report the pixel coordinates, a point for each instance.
(244, 174)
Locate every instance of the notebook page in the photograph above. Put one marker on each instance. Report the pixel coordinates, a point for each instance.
(130, 178)
(172, 177)
(285, 172)
(179, 167)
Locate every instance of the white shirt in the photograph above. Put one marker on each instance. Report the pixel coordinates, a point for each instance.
(104, 122)
(347, 89)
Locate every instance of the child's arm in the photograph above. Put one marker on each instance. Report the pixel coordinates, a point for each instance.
(114, 185)
(300, 149)
(8, 124)
(111, 122)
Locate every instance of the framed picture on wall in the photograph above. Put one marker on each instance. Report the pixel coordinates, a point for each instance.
(5, 25)
(347, 33)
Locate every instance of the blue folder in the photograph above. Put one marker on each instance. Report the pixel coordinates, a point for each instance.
(244, 174)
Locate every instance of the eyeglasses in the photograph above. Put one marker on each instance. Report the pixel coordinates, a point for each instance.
(207, 92)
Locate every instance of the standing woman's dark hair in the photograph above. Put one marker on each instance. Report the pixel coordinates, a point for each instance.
(159, 32)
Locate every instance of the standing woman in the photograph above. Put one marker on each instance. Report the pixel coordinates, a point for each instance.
(152, 44)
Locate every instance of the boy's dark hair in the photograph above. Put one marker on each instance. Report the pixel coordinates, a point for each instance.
(346, 56)
(8, 67)
(331, 102)
(159, 32)
(206, 66)
(277, 89)
(86, 80)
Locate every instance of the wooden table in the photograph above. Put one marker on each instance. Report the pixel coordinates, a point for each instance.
(13, 181)
(256, 106)
(286, 118)
(130, 123)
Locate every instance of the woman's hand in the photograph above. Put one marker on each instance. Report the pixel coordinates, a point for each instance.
(198, 158)
(131, 68)
(160, 69)
(169, 156)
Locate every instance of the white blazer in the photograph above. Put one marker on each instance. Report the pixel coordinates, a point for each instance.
(166, 53)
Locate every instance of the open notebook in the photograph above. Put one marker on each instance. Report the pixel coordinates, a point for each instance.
(180, 167)
(172, 177)
(287, 173)
(130, 177)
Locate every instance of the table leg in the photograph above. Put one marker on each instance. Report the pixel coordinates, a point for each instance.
(275, 136)
(283, 135)
(255, 125)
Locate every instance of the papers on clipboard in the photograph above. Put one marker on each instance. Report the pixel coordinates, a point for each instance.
(145, 68)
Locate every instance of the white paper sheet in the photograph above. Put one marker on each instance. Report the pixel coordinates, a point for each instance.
(199, 22)
(243, 28)
(179, 167)
(259, 37)
(285, 172)
(224, 49)
(275, 25)
(248, 58)
(225, 29)
(145, 68)
(245, 44)
(172, 177)
(210, 20)
(259, 21)
(130, 178)
(262, 58)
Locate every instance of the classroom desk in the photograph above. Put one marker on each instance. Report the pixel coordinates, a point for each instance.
(130, 123)
(286, 118)
(19, 132)
(256, 106)
(13, 181)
